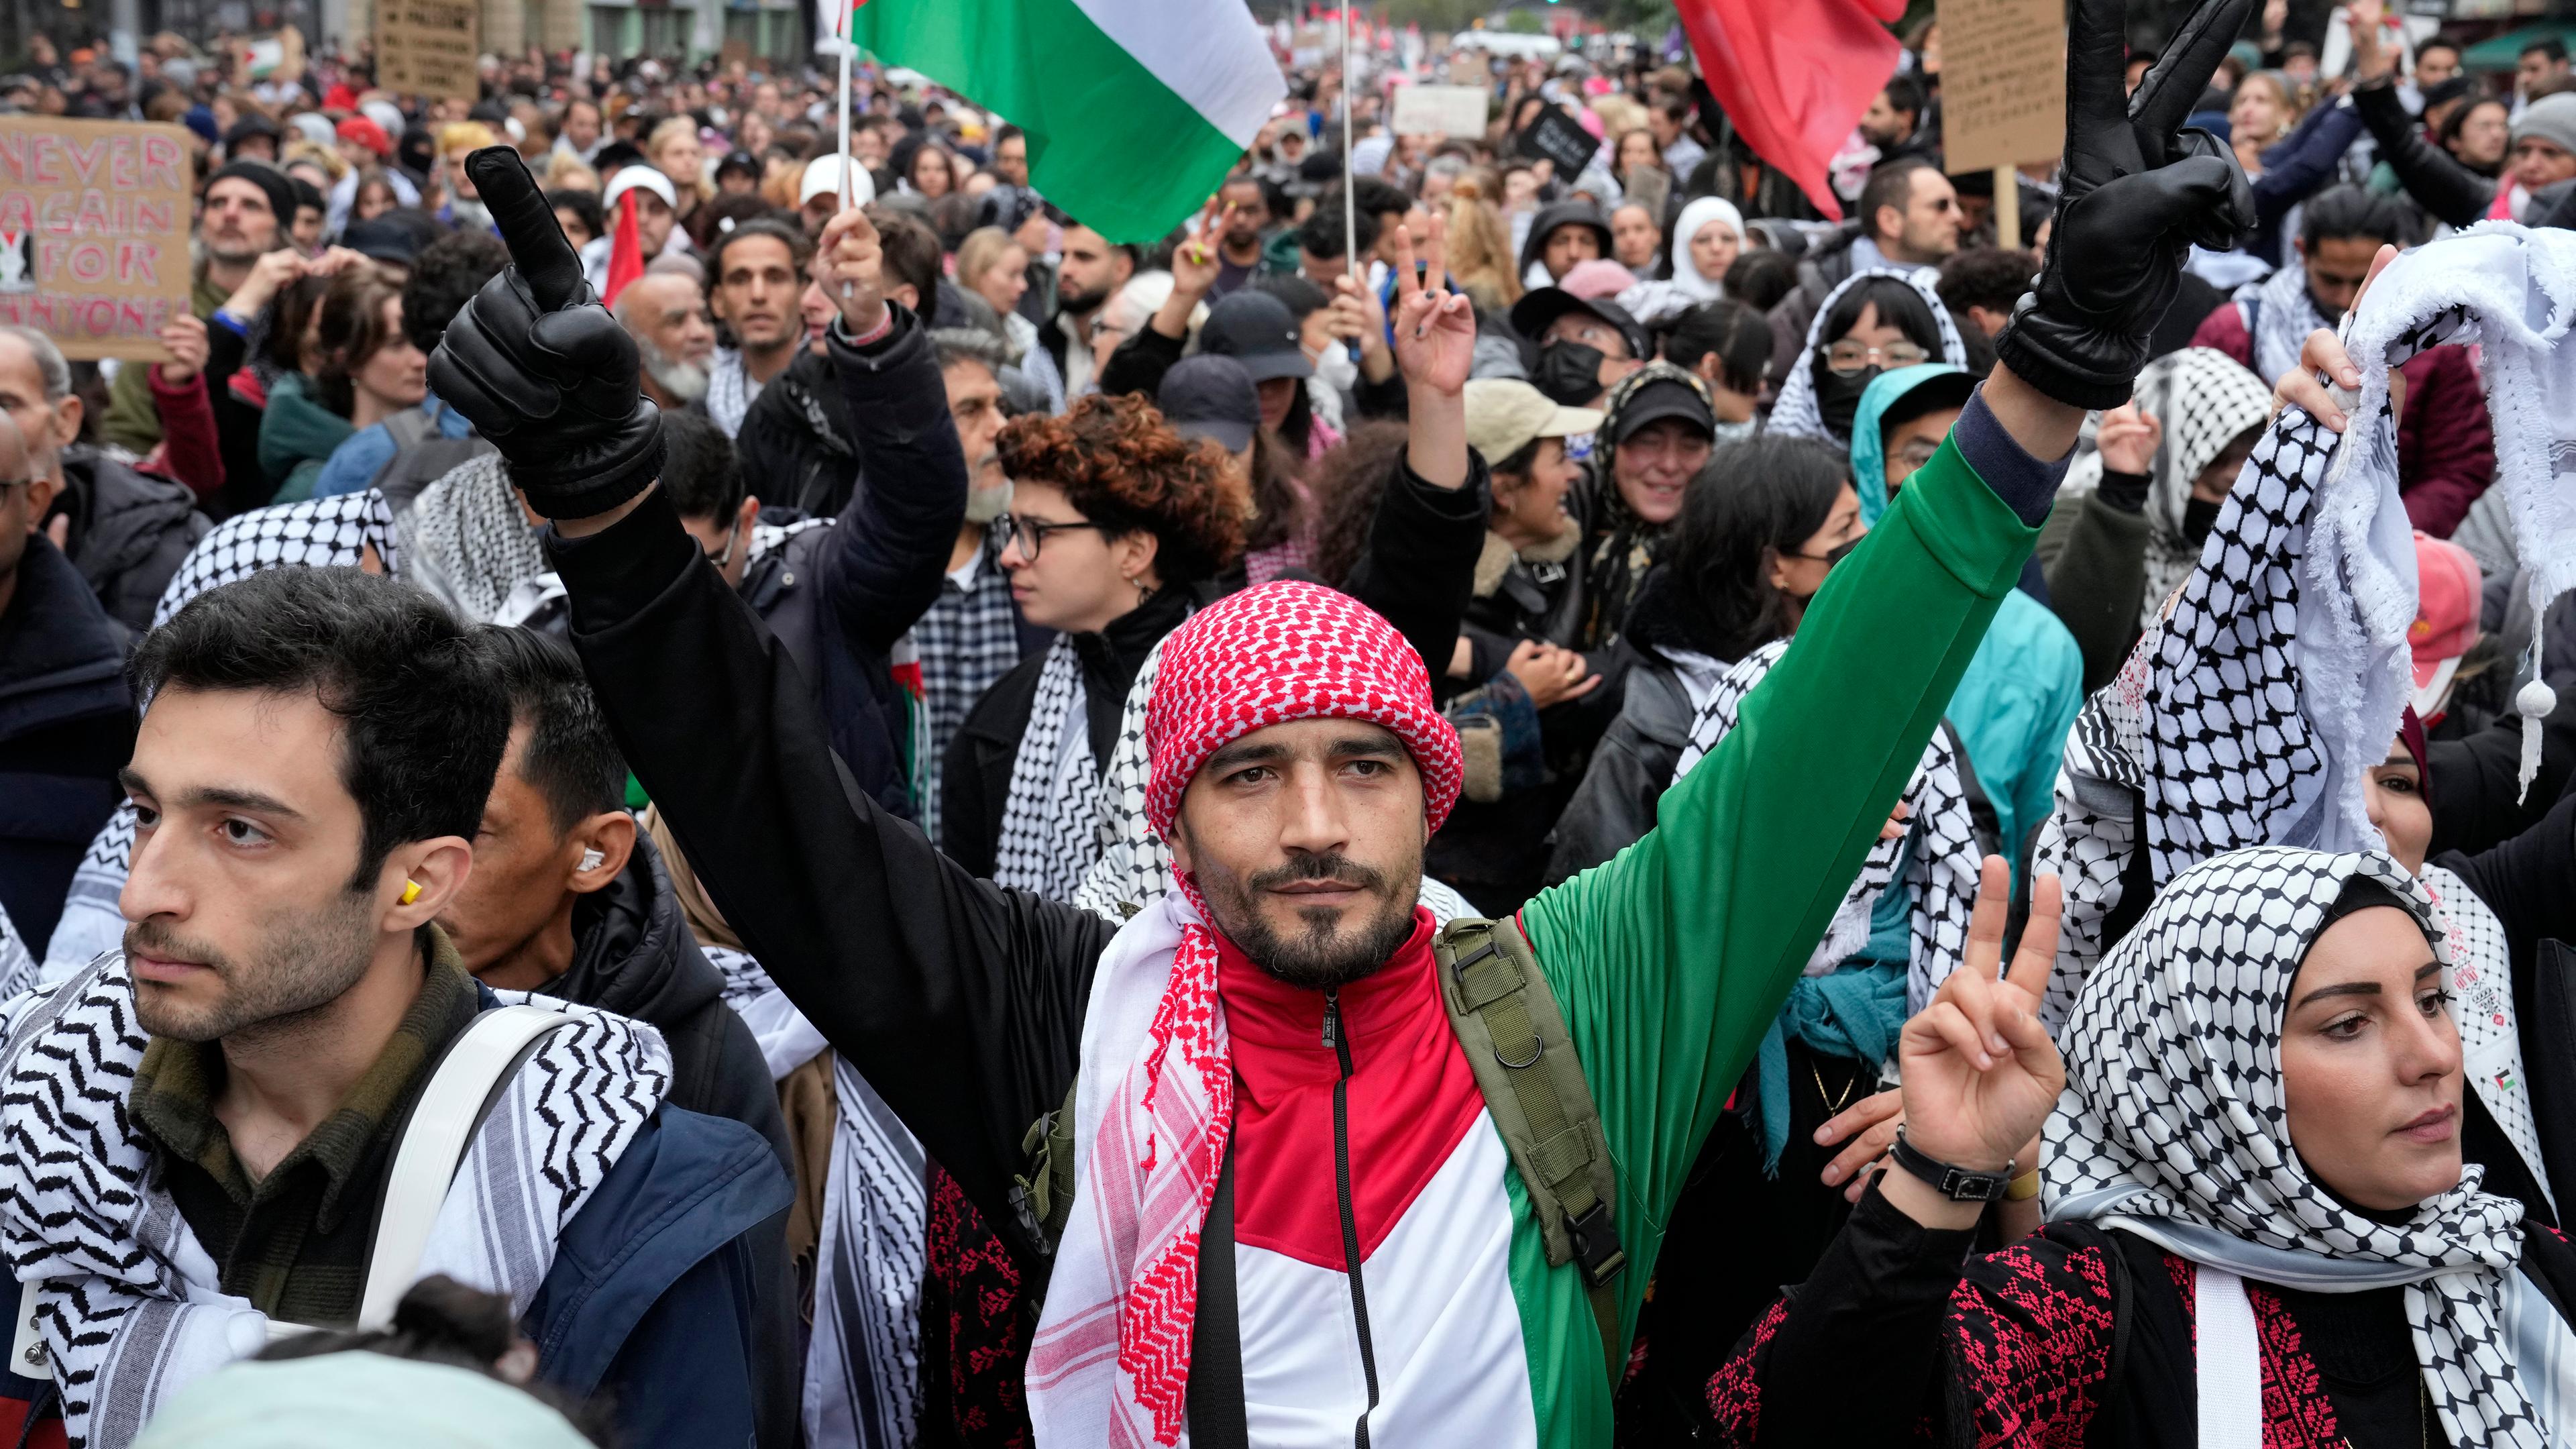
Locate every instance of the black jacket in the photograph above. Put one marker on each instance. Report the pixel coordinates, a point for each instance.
(128, 532)
(633, 955)
(1630, 770)
(976, 777)
(797, 443)
(236, 424)
(840, 597)
(66, 728)
(2447, 190)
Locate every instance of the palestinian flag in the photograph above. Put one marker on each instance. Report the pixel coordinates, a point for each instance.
(1135, 109)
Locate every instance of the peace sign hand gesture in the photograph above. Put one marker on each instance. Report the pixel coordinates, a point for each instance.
(1980, 1071)
(2137, 192)
(1435, 328)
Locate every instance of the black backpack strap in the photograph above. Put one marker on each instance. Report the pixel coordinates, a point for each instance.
(1507, 1021)
(1216, 1411)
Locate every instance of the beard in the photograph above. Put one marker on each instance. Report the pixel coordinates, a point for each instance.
(1328, 953)
(986, 502)
(308, 960)
(1078, 303)
(684, 382)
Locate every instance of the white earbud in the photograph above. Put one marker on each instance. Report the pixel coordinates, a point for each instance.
(592, 860)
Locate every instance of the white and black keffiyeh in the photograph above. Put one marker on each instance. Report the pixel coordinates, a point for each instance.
(730, 391)
(1795, 414)
(129, 1301)
(17, 960)
(1940, 867)
(1052, 813)
(1135, 866)
(863, 1355)
(2279, 314)
(468, 540)
(2173, 1127)
(319, 533)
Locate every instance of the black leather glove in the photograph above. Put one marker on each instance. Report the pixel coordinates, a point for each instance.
(540, 368)
(2138, 190)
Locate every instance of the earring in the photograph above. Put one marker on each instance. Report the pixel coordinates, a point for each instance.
(592, 860)
(411, 891)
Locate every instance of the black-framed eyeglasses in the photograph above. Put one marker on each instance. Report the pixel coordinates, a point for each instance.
(1031, 533)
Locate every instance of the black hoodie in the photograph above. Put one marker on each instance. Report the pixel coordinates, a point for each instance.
(1564, 213)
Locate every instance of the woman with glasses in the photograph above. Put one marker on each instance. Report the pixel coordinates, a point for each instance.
(1876, 321)
(1116, 525)
(2013, 707)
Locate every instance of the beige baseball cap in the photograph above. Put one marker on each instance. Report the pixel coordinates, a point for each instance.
(1505, 415)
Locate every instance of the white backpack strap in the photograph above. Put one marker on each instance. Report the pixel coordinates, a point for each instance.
(442, 1127)
(2231, 1361)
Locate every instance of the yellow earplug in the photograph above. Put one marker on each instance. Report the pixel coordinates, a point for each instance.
(411, 891)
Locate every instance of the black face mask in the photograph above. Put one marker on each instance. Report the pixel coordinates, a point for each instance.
(1569, 373)
(2199, 515)
(1838, 397)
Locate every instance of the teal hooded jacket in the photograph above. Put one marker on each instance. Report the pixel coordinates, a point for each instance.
(2013, 707)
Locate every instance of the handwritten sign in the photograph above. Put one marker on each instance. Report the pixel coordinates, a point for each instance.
(429, 47)
(2003, 82)
(93, 232)
(1440, 111)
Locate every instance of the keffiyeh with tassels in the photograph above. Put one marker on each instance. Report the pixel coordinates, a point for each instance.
(1795, 414)
(1940, 869)
(1155, 1103)
(2173, 1127)
(130, 1303)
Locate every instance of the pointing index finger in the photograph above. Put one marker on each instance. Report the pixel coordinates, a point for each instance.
(538, 247)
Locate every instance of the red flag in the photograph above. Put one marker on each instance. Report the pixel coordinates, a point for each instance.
(1795, 78)
(625, 249)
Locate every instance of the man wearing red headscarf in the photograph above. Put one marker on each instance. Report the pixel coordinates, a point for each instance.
(1295, 1221)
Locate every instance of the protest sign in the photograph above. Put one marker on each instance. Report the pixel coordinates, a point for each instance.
(2003, 82)
(429, 47)
(1559, 138)
(1440, 111)
(93, 232)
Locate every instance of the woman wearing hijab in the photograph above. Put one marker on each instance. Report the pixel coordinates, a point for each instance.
(1876, 321)
(1656, 433)
(2130, 522)
(1707, 238)
(2022, 690)
(2260, 1227)
(1115, 522)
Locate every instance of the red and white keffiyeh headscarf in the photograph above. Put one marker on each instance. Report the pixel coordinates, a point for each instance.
(1155, 1109)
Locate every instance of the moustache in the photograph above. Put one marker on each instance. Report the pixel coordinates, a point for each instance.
(151, 938)
(1337, 868)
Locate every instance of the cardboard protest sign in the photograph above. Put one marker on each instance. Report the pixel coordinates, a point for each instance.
(429, 47)
(1440, 111)
(2003, 82)
(1559, 138)
(94, 232)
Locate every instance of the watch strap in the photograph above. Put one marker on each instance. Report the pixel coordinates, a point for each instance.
(1958, 1184)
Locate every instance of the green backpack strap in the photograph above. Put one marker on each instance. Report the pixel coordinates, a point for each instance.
(1043, 1195)
(1507, 1020)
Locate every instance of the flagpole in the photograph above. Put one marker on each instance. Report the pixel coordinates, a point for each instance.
(1350, 142)
(846, 47)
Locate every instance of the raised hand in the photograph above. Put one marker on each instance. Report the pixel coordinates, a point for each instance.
(2137, 191)
(1435, 328)
(1980, 1071)
(2128, 439)
(540, 368)
(1195, 262)
(854, 270)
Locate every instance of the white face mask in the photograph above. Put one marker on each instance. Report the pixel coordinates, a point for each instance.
(1337, 368)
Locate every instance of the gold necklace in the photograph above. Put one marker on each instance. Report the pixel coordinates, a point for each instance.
(1831, 1107)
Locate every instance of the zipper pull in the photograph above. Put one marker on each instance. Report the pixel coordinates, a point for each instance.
(1332, 1018)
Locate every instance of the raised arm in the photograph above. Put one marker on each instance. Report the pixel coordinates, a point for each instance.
(2438, 182)
(961, 1002)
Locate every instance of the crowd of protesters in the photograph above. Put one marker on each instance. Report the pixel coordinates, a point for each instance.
(1004, 779)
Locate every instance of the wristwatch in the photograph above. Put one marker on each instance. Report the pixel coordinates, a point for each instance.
(1958, 1184)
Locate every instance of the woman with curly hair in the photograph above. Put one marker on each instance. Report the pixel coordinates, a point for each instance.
(1116, 527)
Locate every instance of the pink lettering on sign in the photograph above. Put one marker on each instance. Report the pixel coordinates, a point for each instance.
(94, 231)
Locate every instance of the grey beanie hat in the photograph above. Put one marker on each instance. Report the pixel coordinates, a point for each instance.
(2552, 119)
